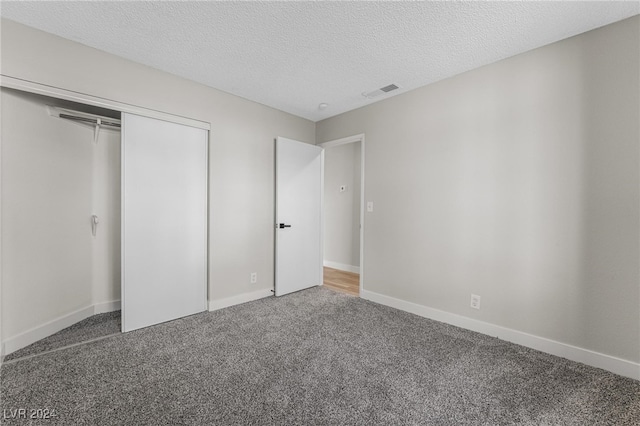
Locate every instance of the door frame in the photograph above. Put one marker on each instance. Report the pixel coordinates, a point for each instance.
(343, 141)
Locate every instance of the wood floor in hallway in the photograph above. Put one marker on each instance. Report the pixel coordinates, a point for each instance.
(342, 281)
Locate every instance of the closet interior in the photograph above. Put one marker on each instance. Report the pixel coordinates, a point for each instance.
(60, 211)
(103, 212)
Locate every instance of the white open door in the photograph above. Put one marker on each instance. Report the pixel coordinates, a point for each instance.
(164, 221)
(299, 180)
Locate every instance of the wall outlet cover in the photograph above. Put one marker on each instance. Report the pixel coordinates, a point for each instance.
(475, 301)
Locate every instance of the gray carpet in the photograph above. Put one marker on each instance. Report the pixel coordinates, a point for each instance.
(315, 357)
(90, 328)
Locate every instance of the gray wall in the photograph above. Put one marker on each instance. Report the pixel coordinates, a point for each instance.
(241, 143)
(518, 182)
(342, 209)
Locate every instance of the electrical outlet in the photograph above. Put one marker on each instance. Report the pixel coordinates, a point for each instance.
(475, 301)
(254, 277)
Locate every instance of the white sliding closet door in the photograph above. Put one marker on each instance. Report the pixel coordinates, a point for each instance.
(164, 221)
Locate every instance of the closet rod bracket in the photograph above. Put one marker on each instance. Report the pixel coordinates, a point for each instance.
(96, 132)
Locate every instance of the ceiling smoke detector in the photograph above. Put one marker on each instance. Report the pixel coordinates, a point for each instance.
(380, 91)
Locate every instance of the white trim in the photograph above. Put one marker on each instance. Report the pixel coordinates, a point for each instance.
(45, 330)
(56, 92)
(51, 327)
(101, 308)
(343, 141)
(321, 278)
(123, 299)
(214, 305)
(207, 226)
(573, 353)
(362, 210)
(342, 266)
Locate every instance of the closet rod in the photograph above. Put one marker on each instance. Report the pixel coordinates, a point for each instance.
(89, 120)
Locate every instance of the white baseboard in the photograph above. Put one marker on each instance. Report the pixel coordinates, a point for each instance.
(341, 266)
(214, 305)
(45, 330)
(573, 353)
(101, 308)
(51, 327)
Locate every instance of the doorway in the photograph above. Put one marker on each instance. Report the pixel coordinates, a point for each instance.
(343, 214)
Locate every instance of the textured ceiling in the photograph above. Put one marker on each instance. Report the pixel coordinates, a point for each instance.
(295, 55)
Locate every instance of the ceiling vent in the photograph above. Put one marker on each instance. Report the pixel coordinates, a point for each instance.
(381, 91)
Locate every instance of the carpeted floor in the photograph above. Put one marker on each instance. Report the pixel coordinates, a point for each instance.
(315, 357)
(94, 327)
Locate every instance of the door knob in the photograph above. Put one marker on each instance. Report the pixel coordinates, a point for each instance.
(282, 226)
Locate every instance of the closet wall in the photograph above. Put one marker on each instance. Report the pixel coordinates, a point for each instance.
(53, 179)
(105, 275)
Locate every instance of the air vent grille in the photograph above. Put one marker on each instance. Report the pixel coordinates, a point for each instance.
(381, 91)
(389, 88)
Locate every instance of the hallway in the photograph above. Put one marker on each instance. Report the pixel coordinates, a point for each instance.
(342, 281)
